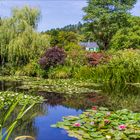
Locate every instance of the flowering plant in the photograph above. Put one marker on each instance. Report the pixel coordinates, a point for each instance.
(103, 124)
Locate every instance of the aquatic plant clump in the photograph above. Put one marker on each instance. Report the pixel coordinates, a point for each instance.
(9, 102)
(102, 124)
(68, 86)
(9, 97)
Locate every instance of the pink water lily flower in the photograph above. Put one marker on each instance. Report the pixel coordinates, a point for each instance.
(77, 124)
(122, 127)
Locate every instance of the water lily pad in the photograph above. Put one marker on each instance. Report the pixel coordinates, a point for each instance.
(101, 124)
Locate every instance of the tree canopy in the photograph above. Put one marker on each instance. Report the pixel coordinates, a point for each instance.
(19, 42)
(105, 17)
(127, 37)
(29, 15)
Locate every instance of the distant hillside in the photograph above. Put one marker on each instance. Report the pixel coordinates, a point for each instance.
(79, 28)
(74, 28)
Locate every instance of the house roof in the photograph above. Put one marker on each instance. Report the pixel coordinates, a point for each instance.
(89, 44)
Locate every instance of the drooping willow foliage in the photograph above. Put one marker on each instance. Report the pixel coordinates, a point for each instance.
(19, 41)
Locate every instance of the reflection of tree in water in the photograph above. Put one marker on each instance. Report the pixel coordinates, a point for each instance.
(76, 101)
(12, 85)
(122, 96)
(121, 89)
(85, 100)
(53, 98)
(113, 96)
(26, 125)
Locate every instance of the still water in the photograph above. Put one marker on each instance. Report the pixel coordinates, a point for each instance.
(40, 125)
(37, 122)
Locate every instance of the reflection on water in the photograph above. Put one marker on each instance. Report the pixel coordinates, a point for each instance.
(37, 122)
(12, 85)
(38, 126)
(122, 96)
(76, 101)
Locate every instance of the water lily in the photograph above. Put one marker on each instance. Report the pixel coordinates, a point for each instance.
(108, 137)
(92, 123)
(77, 124)
(122, 127)
(102, 124)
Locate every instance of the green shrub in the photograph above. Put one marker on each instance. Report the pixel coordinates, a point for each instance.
(61, 72)
(96, 58)
(19, 41)
(62, 38)
(76, 55)
(7, 69)
(123, 67)
(31, 69)
(83, 72)
(53, 57)
(127, 37)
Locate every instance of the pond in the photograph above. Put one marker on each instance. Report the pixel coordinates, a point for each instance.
(37, 122)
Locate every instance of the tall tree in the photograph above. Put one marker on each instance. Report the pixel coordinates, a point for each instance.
(127, 37)
(105, 17)
(29, 15)
(62, 38)
(19, 42)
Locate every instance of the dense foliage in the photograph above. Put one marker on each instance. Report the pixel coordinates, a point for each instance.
(9, 101)
(19, 42)
(52, 57)
(24, 52)
(62, 38)
(127, 37)
(76, 55)
(123, 67)
(119, 67)
(97, 58)
(104, 18)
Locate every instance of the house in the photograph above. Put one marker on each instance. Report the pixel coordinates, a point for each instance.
(90, 46)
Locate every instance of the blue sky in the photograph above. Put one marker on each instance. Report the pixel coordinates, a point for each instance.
(54, 13)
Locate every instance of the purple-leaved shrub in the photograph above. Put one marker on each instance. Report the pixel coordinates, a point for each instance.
(53, 56)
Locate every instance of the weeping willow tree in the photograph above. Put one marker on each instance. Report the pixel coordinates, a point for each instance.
(30, 15)
(19, 41)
